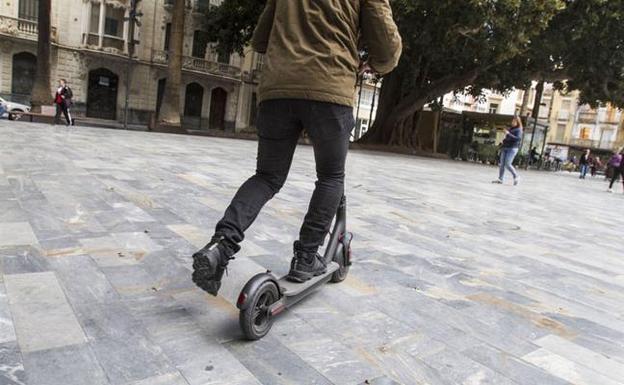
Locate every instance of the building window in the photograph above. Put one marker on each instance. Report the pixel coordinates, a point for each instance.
(585, 133)
(113, 23)
(28, 10)
(566, 105)
(223, 58)
(493, 108)
(95, 19)
(560, 134)
(367, 98)
(167, 36)
(200, 41)
(203, 5)
(106, 27)
(259, 61)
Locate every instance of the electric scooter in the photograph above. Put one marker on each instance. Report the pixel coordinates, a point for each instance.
(265, 295)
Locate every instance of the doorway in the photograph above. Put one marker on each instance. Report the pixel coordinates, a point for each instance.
(218, 100)
(102, 94)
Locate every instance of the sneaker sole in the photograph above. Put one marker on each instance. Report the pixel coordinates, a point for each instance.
(204, 274)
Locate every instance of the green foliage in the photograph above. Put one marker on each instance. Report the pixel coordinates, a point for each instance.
(449, 38)
(469, 45)
(591, 56)
(582, 49)
(232, 23)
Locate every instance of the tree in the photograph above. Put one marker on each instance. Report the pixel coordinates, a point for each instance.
(232, 24)
(449, 46)
(170, 109)
(466, 46)
(41, 94)
(583, 49)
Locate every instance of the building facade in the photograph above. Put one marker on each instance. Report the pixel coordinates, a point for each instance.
(569, 123)
(90, 50)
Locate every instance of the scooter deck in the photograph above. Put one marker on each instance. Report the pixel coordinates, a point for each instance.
(291, 289)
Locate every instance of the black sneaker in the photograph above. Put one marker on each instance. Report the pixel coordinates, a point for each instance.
(209, 264)
(305, 266)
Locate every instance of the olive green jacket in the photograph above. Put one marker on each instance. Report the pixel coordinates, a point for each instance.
(311, 47)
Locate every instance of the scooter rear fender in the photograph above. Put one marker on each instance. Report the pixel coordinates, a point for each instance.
(244, 298)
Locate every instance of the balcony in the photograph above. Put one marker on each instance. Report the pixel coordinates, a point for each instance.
(23, 29)
(588, 143)
(200, 65)
(587, 117)
(111, 44)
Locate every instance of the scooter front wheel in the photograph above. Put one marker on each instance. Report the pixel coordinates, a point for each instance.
(255, 319)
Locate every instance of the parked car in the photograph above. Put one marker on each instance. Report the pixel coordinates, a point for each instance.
(13, 109)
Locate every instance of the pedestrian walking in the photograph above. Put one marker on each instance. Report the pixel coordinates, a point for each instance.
(584, 162)
(617, 164)
(308, 82)
(613, 164)
(63, 100)
(596, 165)
(509, 150)
(3, 109)
(533, 156)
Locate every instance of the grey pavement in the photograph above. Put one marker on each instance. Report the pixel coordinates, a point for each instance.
(455, 280)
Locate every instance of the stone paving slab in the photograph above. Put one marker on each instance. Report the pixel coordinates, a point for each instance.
(455, 280)
(42, 316)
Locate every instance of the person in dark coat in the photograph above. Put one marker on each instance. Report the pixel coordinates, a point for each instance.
(584, 163)
(509, 150)
(617, 162)
(62, 101)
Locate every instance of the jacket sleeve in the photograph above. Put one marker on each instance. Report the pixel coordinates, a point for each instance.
(514, 136)
(260, 38)
(380, 35)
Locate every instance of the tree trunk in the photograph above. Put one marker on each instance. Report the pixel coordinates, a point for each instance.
(170, 109)
(41, 94)
(396, 121)
(525, 102)
(389, 96)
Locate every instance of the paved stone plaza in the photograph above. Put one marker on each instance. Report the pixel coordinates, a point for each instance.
(455, 280)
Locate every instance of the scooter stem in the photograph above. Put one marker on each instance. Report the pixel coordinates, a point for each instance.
(340, 226)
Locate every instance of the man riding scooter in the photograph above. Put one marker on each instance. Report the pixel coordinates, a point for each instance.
(308, 82)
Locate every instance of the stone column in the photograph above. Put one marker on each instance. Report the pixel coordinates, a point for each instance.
(126, 35)
(102, 23)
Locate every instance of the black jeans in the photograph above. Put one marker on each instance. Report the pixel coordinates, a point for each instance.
(280, 123)
(61, 108)
(617, 172)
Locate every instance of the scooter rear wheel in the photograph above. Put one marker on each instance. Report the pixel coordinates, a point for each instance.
(256, 319)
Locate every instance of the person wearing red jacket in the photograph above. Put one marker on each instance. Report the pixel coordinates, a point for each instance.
(63, 100)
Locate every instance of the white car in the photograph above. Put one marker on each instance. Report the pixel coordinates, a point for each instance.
(13, 108)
